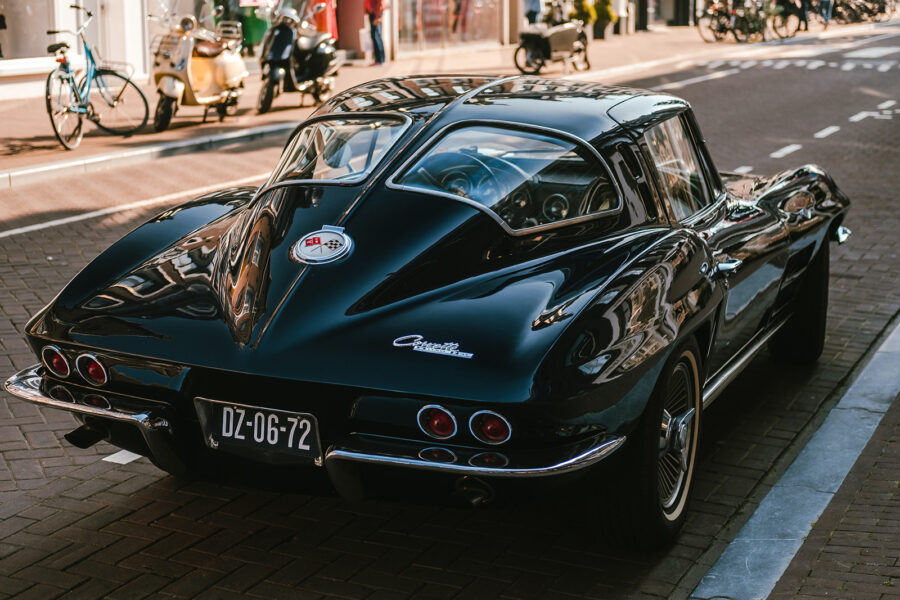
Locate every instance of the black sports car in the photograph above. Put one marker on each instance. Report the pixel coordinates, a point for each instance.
(486, 278)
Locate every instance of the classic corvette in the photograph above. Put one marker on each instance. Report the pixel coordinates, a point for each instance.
(484, 280)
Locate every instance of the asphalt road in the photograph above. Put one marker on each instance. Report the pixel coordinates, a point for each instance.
(72, 523)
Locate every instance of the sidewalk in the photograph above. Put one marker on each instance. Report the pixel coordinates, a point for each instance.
(27, 139)
(853, 550)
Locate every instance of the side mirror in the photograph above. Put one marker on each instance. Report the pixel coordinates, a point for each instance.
(319, 8)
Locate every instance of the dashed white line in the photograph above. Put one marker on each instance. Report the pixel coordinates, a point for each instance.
(887, 104)
(848, 66)
(743, 170)
(885, 67)
(826, 132)
(685, 82)
(132, 205)
(781, 153)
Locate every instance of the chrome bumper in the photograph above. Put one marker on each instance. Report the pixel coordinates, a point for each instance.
(154, 425)
(585, 458)
(156, 428)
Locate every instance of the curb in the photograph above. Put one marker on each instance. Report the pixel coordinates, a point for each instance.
(14, 178)
(750, 565)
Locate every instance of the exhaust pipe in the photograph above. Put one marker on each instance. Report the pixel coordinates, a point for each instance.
(475, 491)
(85, 436)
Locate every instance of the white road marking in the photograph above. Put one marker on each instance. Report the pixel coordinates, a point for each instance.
(833, 64)
(686, 82)
(743, 170)
(815, 64)
(873, 52)
(886, 104)
(781, 64)
(714, 64)
(781, 153)
(122, 457)
(848, 66)
(826, 132)
(132, 205)
(885, 67)
(864, 114)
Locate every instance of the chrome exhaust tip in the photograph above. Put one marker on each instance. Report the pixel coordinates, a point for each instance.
(475, 491)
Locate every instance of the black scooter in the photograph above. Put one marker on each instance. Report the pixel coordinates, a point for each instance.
(296, 57)
(561, 41)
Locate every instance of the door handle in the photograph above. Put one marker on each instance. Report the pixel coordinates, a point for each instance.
(728, 266)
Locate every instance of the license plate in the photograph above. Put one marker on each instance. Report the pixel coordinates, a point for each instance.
(254, 427)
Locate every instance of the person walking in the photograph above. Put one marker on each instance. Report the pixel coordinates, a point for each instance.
(825, 11)
(375, 9)
(532, 11)
(804, 15)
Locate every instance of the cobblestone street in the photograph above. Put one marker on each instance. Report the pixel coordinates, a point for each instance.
(73, 525)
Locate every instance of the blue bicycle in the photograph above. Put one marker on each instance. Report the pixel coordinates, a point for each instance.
(120, 109)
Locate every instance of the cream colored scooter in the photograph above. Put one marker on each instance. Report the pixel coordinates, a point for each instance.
(193, 66)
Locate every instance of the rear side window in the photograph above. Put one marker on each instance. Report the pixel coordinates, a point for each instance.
(680, 175)
(527, 179)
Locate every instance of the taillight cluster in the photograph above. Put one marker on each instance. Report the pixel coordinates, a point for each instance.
(486, 426)
(87, 365)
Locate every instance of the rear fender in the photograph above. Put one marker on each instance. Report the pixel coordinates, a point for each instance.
(605, 365)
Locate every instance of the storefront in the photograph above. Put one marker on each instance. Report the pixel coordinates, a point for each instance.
(441, 24)
(117, 32)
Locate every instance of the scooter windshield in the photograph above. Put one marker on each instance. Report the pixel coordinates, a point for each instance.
(343, 150)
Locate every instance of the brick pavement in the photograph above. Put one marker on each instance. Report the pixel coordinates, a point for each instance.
(27, 138)
(73, 526)
(853, 550)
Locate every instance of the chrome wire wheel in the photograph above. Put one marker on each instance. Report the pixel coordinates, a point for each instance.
(678, 436)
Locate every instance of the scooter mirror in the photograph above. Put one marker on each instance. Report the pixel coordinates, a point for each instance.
(220, 10)
(319, 8)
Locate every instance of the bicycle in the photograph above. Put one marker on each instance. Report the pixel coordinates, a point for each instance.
(122, 108)
(786, 18)
(714, 22)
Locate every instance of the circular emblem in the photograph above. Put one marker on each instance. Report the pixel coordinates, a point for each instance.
(325, 245)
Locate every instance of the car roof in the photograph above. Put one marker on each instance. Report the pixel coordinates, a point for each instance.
(579, 108)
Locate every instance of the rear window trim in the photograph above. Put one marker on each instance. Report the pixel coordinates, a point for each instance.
(358, 116)
(439, 135)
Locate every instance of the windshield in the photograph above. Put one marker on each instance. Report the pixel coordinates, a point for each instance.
(340, 150)
(526, 178)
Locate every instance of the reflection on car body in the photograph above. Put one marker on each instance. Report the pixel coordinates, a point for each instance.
(486, 278)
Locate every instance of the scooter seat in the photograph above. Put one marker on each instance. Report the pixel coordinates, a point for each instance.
(207, 49)
(57, 46)
(308, 42)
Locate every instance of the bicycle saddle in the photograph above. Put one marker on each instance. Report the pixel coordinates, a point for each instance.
(57, 46)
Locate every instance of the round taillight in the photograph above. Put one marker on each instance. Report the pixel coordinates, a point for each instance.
(56, 361)
(437, 422)
(91, 369)
(489, 427)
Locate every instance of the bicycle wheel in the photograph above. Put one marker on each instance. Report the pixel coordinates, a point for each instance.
(785, 23)
(118, 105)
(62, 107)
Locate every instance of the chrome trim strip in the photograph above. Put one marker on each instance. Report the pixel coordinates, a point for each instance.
(27, 385)
(499, 416)
(443, 410)
(727, 374)
(585, 459)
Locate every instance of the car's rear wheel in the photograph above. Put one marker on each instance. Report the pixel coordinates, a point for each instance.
(645, 505)
(801, 340)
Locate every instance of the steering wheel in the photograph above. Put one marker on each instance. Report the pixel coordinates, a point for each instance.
(461, 174)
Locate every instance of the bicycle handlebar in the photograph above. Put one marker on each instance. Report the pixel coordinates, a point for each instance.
(90, 16)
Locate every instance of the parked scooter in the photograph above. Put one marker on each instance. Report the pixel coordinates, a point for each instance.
(558, 40)
(296, 57)
(194, 66)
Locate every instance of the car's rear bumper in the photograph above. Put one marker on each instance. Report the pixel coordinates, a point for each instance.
(159, 427)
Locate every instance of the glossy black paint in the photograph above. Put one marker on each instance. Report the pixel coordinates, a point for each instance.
(569, 327)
